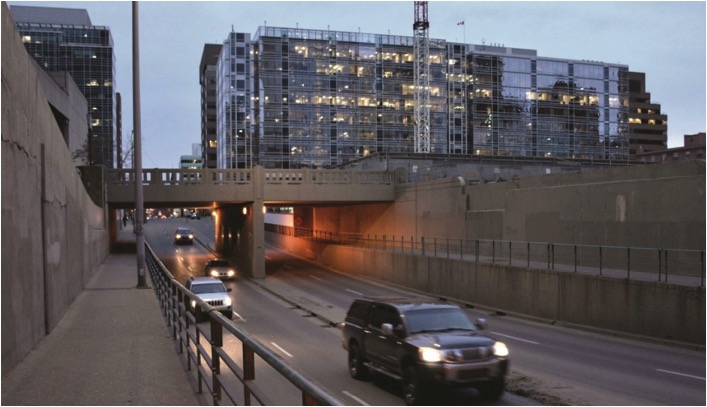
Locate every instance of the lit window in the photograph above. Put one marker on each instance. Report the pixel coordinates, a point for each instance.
(26, 38)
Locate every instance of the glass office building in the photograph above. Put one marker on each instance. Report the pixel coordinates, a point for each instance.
(62, 39)
(292, 98)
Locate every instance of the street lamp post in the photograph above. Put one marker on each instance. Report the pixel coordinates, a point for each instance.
(139, 204)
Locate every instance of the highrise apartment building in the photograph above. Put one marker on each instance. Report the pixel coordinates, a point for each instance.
(290, 98)
(62, 39)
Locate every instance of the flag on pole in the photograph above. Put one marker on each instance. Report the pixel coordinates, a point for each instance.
(461, 22)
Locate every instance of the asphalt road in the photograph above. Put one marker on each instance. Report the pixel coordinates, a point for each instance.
(569, 365)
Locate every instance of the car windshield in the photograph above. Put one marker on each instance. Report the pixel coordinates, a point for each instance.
(211, 288)
(438, 319)
(218, 263)
(183, 231)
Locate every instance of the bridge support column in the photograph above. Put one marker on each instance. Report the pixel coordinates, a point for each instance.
(257, 225)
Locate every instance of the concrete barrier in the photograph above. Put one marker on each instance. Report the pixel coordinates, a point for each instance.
(658, 310)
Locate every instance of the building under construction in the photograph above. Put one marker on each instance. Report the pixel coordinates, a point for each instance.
(294, 97)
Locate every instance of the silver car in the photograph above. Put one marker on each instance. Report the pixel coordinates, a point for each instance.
(213, 292)
(220, 268)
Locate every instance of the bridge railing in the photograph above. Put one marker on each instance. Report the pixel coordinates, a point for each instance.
(226, 371)
(215, 176)
(684, 267)
(176, 177)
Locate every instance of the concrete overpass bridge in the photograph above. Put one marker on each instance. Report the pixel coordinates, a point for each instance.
(238, 198)
(209, 187)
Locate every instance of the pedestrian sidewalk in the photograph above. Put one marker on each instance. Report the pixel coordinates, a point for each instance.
(112, 347)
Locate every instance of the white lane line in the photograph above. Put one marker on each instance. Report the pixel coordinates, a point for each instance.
(517, 339)
(316, 278)
(681, 374)
(355, 292)
(281, 350)
(356, 398)
(267, 258)
(287, 266)
(239, 316)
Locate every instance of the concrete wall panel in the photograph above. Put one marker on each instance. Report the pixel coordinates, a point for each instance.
(633, 307)
(44, 210)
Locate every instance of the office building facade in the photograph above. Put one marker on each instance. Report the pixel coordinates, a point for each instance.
(207, 80)
(648, 127)
(61, 39)
(293, 98)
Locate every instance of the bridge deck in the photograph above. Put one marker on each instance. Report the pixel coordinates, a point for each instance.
(203, 187)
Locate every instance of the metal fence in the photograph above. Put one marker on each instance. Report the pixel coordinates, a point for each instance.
(683, 267)
(224, 357)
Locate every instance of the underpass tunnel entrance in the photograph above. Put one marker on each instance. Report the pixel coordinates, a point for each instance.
(308, 231)
(240, 236)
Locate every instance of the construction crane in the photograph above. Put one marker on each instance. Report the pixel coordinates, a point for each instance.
(421, 50)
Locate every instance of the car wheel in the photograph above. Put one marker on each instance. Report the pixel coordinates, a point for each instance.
(412, 388)
(492, 391)
(356, 367)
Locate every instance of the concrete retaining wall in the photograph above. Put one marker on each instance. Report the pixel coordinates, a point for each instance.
(657, 206)
(53, 236)
(633, 307)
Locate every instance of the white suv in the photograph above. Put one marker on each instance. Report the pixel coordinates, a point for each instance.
(213, 292)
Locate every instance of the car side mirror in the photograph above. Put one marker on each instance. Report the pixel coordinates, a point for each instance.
(229, 290)
(480, 323)
(387, 329)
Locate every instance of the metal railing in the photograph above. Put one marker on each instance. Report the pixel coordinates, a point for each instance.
(677, 266)
(227, 370)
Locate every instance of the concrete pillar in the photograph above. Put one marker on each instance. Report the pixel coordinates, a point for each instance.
(257, 225)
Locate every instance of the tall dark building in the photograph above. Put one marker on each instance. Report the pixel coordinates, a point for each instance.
(207, 80)
(647, 126)
(62, 39)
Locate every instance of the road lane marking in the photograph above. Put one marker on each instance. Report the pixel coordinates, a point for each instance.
(287, 266)
(316, 278)
(355, 398)
(239, 316)
(681, 374)
(355, 292)
(267, 258)
(281, 350)
(517, 339)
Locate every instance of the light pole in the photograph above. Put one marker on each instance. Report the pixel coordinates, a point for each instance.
(139, 204)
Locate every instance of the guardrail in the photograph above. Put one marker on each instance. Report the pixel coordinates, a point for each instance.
(224, 374)
(683, 267)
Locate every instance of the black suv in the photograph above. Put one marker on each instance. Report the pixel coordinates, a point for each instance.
(422, 343)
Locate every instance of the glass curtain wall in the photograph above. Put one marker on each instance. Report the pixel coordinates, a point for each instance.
(87, 54)
(535, 107)
(330, 97)
(322, 98)
(234, 146)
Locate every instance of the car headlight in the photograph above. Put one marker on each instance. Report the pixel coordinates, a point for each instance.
(227, 302)
(193, 303)
(500, 349)
(191, 236)
(430, 354)
(231, 273)
(178, 236)
(213, 273)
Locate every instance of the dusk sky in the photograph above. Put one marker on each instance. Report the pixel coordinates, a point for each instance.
(666, 40)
